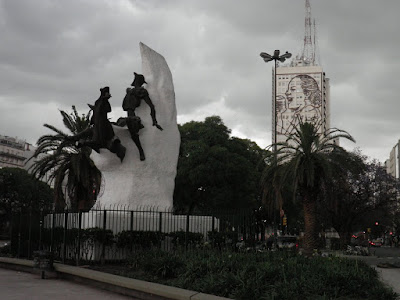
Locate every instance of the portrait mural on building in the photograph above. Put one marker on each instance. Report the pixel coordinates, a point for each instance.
(298, 98)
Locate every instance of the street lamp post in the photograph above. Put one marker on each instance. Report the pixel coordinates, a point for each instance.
(275, 58)
(267, 58)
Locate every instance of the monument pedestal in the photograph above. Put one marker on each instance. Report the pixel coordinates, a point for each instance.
(148, 183)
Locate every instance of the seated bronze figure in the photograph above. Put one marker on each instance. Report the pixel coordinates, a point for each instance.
(101, 133)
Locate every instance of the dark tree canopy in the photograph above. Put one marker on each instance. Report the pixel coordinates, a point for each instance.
(359, 197)
(216, 171)
(19, 190)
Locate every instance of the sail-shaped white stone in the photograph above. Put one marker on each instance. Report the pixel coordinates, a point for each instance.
(150, 182)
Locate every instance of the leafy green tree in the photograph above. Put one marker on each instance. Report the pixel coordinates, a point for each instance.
(62, 161)
(363, 195)
(308, 160)
(216, 171)
(21, 193)
(19, 190)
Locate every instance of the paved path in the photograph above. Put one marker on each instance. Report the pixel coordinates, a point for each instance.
(391, 277)
(16, 285)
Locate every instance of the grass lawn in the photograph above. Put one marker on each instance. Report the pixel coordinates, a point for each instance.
(264, 276)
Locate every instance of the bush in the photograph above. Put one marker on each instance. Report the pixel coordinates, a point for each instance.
(267, 275)
(58, 236)
(157, 263)
(5, 250)
(222, 239)
(335, 244)
(182, 238)
(98, 235)
(94, 234)
(143, 239)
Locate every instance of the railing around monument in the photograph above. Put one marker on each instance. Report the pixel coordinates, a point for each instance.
(116, 233)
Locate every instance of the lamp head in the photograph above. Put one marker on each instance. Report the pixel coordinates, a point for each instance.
(287, 55)
(266, 56)
(276, 54)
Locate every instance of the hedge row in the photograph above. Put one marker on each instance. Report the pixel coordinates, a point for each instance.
(143, 239)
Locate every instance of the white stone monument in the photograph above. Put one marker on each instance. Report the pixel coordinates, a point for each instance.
(148, 183)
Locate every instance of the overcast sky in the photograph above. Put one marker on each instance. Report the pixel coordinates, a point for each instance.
(55, 54)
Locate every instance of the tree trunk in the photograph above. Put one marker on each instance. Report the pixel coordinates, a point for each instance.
(345, 239)
(310, 232)
(345, 231)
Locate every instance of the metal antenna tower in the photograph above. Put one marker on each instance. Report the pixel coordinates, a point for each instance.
(308, 54)
(317, 59)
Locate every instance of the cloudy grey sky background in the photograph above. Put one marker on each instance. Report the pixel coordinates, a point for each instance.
(55, 54)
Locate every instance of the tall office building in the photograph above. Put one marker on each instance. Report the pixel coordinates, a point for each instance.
(301, 89)
(302, 93)
(15, 153)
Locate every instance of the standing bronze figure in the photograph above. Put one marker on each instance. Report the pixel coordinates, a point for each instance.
(132, 100)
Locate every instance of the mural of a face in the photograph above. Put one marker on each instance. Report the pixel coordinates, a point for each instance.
(308, 88)
(302, 96)
(291, 91)
(280, 103)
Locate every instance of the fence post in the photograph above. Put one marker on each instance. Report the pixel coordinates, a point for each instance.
(131, 220)
(103, 248)
(213, 224)
(160, 225)
(19, 234)
(187, 231)
(65, 236)
(244, 228)
(30, 233)
(79, 238)
(53, 224)
(41, 220)
(131, 233)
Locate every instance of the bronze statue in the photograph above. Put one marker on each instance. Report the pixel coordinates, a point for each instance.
(134, 125)
(132, 100)
(134, 97)
(102, 128)
(101, 134)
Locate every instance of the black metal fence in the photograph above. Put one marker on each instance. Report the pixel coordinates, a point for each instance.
(115, 233)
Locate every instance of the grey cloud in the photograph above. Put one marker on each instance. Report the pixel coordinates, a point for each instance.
(58, 53)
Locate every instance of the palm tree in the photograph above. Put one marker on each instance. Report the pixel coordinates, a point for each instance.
(307, 160)
(59, 159)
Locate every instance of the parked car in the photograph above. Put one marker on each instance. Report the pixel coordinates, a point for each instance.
(357, 250)
(376, 242)
(287, 242)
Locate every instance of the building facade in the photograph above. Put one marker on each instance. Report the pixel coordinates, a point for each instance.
(393, 163)
(301, 92)
(14, 153)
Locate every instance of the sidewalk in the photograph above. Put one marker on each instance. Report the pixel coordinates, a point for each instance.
(391, 277)
(16, 285)
(133, 288)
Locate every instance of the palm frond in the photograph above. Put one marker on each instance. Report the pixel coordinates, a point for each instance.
(68, 121)
(57, 159)
(51, 127)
